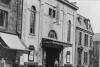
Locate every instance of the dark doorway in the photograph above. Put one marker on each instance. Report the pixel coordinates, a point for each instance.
(52, 54)
(31, 65)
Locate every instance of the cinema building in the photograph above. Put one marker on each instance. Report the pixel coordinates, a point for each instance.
(37, 32)
(49, 26)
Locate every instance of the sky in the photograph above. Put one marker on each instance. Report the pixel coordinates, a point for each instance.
(90, 9)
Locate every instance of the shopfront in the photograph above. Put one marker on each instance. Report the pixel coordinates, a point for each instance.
(11, 50)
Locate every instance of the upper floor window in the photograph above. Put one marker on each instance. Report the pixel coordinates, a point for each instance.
(86, 23)
(79, 20)
(91, 41)
(52, 34)
(85, 57)
(32, 20)
(69, 31)
(52, 12)
(68, 57)
(80, 38)
(3, 18)
(86, 40)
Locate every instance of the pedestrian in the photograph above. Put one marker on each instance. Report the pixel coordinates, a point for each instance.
(56, 63)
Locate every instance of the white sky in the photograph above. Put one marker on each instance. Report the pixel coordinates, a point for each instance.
(91, 10)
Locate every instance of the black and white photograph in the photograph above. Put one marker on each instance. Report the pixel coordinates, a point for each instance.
(49, 33)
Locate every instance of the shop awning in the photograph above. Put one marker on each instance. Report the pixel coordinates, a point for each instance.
(11, 41)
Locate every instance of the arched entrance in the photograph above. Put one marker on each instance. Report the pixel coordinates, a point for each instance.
(51, 49)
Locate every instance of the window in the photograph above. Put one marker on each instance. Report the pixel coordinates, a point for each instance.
(86, 23)
(85, 57)
(79, 58)
(32, 20)
(90, 57)
(52, 34)
(3, 18)
(68, 57)
(90, 41)
(52, 12)
(86, 40)
(69, 31)
(79, 19)
(80, 38)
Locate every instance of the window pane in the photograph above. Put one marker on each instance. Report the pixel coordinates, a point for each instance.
(32, 20)
(80, 38)
(68, 56)
(69, 31)
(1, 18)
(50, 11)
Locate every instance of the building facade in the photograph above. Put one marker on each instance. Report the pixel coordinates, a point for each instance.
(84, 42)
(9, 36)
(96, 50)
(49, 26)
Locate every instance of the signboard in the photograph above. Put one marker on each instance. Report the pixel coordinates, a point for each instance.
(23, 58)
(31, 55)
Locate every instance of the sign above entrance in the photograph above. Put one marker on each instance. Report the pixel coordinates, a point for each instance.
(53, 43)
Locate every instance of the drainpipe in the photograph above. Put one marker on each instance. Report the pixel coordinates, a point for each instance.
(19, 34)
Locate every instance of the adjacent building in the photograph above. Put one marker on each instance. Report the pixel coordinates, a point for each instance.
(96, 49)
(83, 42)
(11, 46)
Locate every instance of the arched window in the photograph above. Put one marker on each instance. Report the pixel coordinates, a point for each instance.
(69, 31)
(32, 20)
(52, 34)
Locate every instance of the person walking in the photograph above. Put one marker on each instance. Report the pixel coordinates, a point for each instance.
(56, 63)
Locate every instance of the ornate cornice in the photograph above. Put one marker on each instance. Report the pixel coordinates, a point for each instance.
(69, 4)
(78, 28)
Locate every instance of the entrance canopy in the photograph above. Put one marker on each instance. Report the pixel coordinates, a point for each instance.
(54, 43)
(11, 41)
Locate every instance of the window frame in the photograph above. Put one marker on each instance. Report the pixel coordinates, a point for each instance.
(52, 12)
(80, 38)
(68, 54)
(32, 21)
(69, 31)
(4, 19)
(85, 57)
(86, 40)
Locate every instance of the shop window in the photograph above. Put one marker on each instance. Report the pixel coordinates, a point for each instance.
(32, 20)
(68, 57)
(85, 57)
(52, 12)
(52, 34)
(86, 40)
(80, 38)
(69, 31)
(3, 18)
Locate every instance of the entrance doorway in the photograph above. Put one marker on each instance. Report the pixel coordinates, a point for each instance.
(52, 54)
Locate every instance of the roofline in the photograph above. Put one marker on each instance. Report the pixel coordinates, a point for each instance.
(69, 4)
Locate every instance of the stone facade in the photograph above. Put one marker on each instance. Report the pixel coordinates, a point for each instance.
(96, 50)
(65, 12)
(83, 41)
